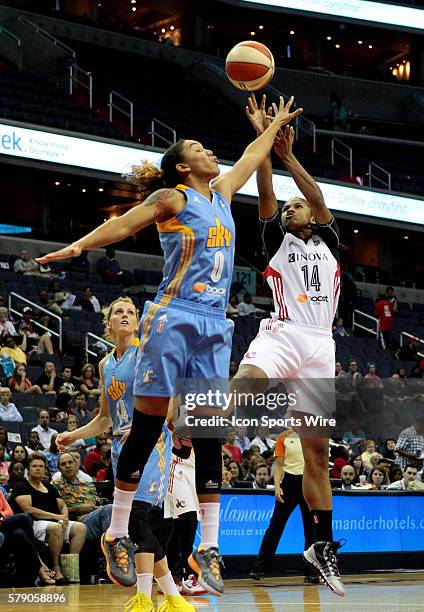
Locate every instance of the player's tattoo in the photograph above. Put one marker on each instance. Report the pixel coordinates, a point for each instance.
(161, 199)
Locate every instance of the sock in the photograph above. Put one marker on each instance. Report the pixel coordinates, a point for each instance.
(167, 584)
(209, 513)
(322, 524)
(121, 509)
(144, 584)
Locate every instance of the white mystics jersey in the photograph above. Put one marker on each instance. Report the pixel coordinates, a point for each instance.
(304, 277)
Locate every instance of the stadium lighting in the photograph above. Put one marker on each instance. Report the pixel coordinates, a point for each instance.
(57, 183)
(356, 231)
(337, 46)
(252, 33)
(369, 46)
(360, 42)
(292, 32)
(261, 27)
(329, 37)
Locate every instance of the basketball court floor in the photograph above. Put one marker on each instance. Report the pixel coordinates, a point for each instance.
(388, 592)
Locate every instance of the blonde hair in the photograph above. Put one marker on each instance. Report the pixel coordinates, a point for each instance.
(84, 369)
(108, 313)
(4, 389)
(150, 178)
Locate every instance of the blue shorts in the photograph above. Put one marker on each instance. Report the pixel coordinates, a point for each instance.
(184, 340)
(154, 481)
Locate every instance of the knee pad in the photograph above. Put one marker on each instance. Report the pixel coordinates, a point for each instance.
(140, 531)
(145, 432)
(208, 452)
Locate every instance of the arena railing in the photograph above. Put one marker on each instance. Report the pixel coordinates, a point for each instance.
(154, 133)
(21, 298)
(46, 34)
(346, 154)
(74, 72)
(113, 105)
(356, 313)
(88, 351)
(404, 334)
(372, 176)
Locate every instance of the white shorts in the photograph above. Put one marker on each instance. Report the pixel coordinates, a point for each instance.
(294, 354)
(181, 496)
(40, 529)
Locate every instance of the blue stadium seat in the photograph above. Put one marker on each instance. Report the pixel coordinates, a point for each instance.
(45, 400)
(29, 413)
(22, 399)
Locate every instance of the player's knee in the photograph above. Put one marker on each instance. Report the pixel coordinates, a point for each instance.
(140, 532)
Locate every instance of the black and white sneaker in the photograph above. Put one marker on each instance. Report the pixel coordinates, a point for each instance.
(323, 557)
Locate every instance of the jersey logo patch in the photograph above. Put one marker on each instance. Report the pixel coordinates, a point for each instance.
(147, 376)
(116, 389)
(219, 235)
(161, 323)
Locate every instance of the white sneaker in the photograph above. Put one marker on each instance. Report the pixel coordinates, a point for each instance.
(177, 584)
(323, 557)
(190, 586)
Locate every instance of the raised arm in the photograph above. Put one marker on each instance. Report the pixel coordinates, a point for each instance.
(312, 193)
(255, 154)
(98, 425)
(157, 207)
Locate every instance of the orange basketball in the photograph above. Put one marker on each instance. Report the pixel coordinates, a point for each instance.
(250, 65)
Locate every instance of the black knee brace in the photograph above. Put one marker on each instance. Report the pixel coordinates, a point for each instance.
(145, 432)
(208, 452)
(140, 532)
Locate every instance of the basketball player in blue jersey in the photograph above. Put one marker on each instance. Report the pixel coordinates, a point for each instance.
(184, 332)
(116, 409)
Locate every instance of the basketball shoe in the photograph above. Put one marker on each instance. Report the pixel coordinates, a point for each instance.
(175, 603)
(206, 562)
(119, 564)
(323, 557)
(190, 586)
(139, 603)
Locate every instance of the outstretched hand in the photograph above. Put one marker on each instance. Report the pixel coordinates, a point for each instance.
(73, 250)
(282, 112)
(257, 115)
(283, 143)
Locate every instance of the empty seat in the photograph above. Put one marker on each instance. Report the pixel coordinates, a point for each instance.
(45, 400)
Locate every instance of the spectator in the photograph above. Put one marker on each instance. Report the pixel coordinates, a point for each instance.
(408, 352)
(409, 475)
(20, 455)
(25, 265)
(27, 325)
(339, 329)
(80, 408)
(371, 378)
(232, 309)
(395, 473)
(357, 464)
(4, 466)
(16, 474)
(389, 449)
(88, 301)
(233, 369)
(45, 433)
(72, 424)
(81, 475)
(263, 441)
(81, 499)
(355, 436)
(52, 456)
(108, 268)
(410, 444)
(242, 439)
(6, 327)
(19, 536)
(236, 472)
(261, 477)
(89, 382)
(12, 350)
(339, 456)
(45, 344)
(232, 446)
(68, 384)
(384, 312)
(354, 375)
(394, 389)
(19, 383)
(103, 469)
(338, 113)
(4, 441)
(95, 455)
(390, 296)
(376, 459)
(347, 474)
(49, 382)
(8, 410)
(226, 478)
(65, 300)
(34, 444)
(378, 478)
(340, 371)
(50, 514)
(80, 263)
(402, 373)
(246, 307)
(366, 455)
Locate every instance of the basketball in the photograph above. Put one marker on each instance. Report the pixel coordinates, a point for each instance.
(250, 65)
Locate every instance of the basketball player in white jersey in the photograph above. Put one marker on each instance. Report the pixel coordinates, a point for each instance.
(296, 343)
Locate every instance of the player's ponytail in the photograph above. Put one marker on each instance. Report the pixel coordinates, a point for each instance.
(149, 177)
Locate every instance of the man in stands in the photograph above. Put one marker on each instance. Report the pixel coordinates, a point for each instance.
(409, 475)
(80, 409)
(261, 477)
(80, 474)
(246, 307)
(410, 444)
(390, 296)
(348, 476)
(81, 498)
(68, 383)
(33, 443)
(44, 431)
(49, 381)
(88, 301)
(384, 309)
(108, 268)
(95, 455)
(25, 265)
